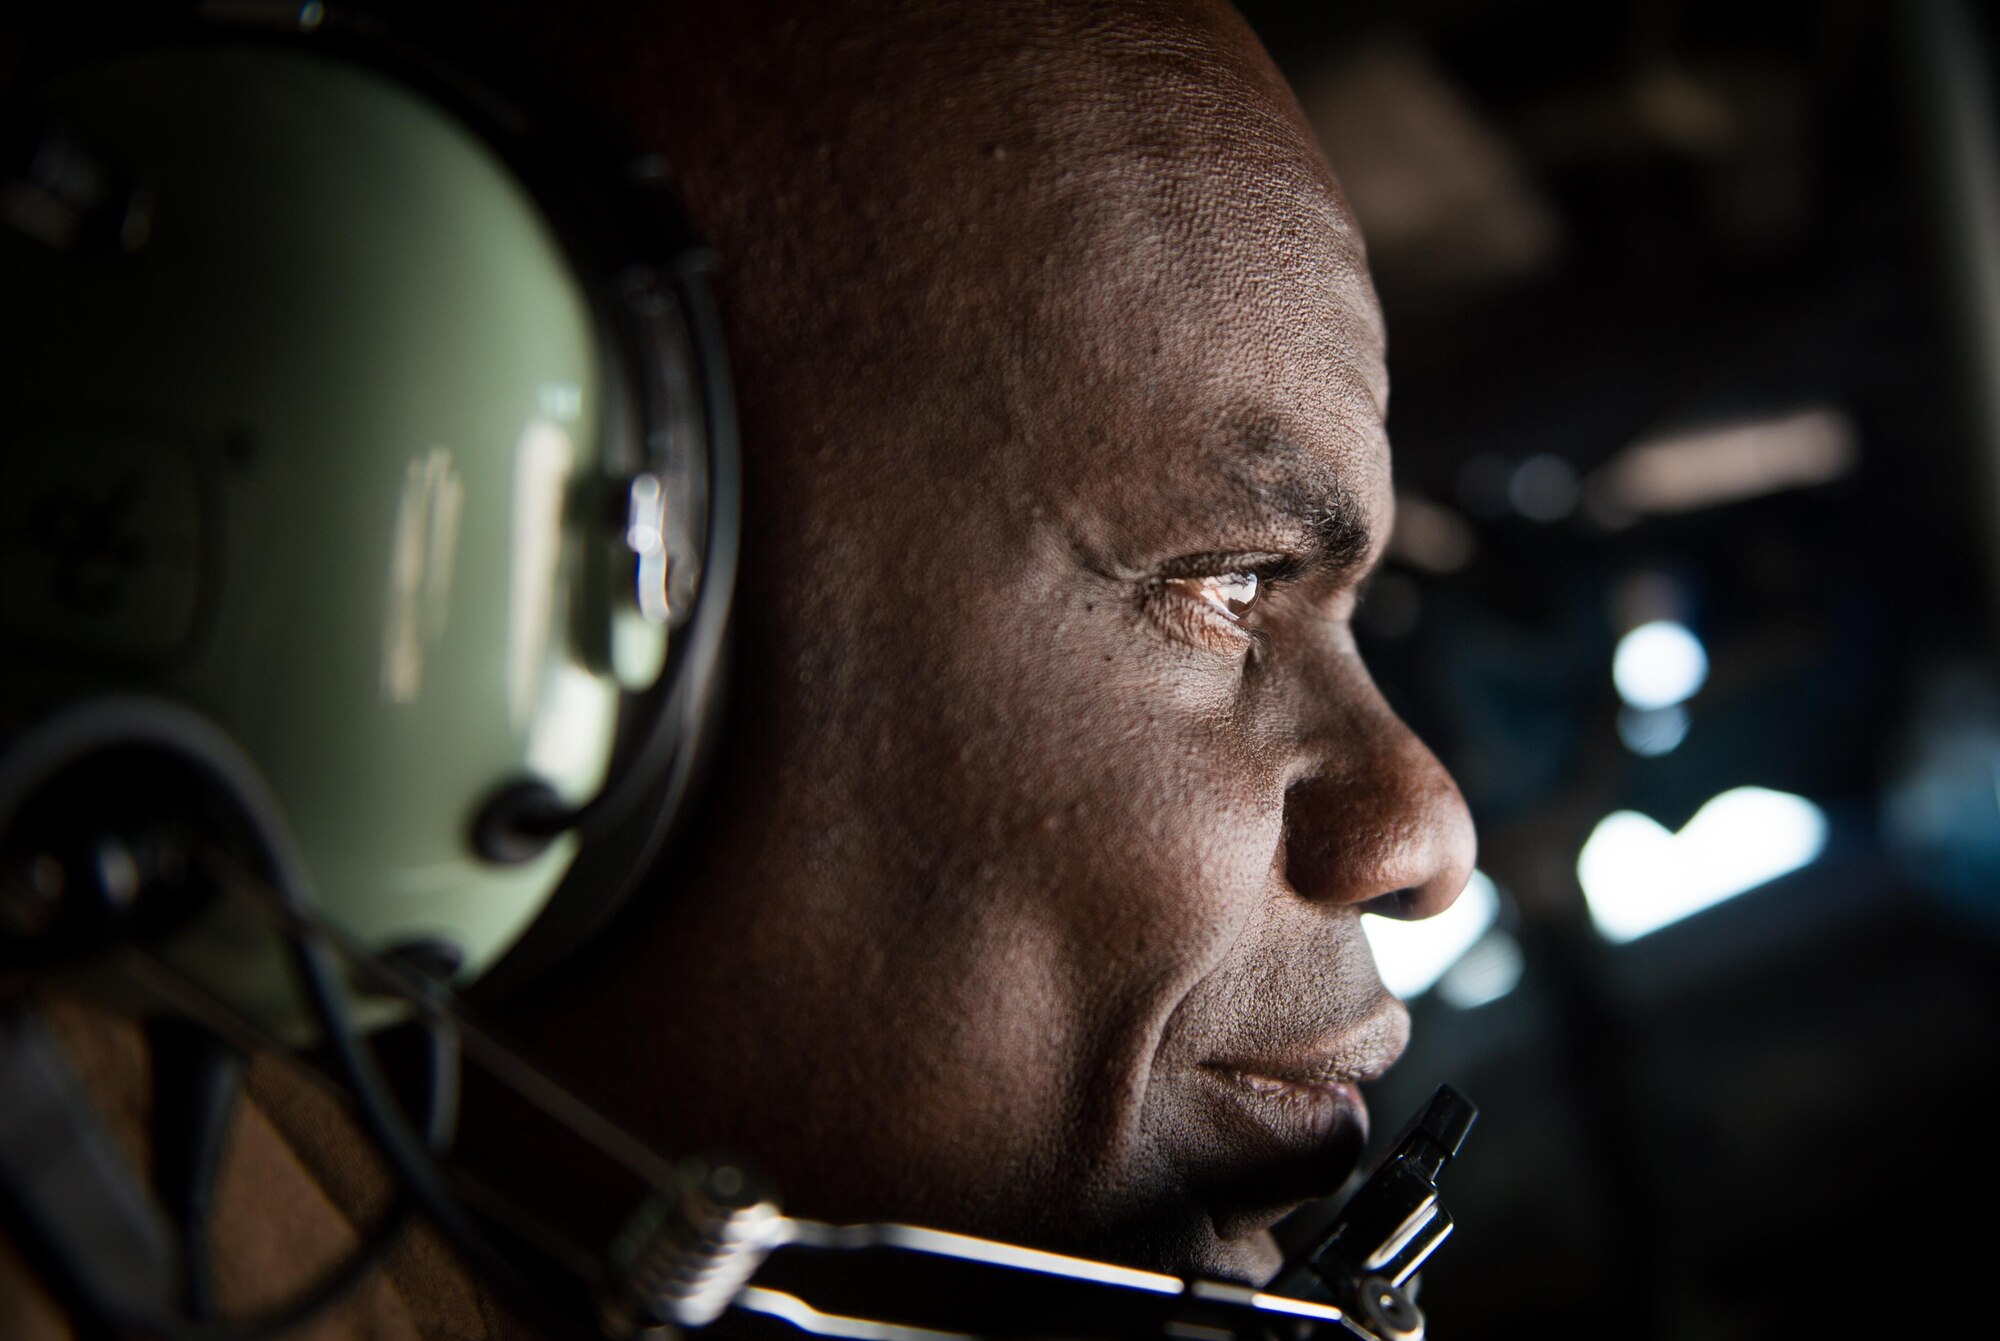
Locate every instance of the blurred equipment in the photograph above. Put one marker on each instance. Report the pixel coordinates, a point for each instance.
(1438, 193)
(1726, 464)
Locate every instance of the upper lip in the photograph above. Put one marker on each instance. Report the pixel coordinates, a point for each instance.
(1353, 1052)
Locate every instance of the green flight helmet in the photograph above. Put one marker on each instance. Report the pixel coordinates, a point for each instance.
(367, 485)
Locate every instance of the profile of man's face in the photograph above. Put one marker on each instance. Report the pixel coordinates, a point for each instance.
(1053, 787)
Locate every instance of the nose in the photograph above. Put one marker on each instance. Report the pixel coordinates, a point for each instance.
(1373, 819)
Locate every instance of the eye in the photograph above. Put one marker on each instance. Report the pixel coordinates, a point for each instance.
(1209, 609)
(1229, 595)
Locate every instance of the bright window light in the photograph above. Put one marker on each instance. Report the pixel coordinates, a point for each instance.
(1487, 972)
(1658, 665)
(1413, 955)
(1637, 877)
(1652, 731)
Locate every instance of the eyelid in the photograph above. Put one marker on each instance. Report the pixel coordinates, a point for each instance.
(1195, 616)
(1228, 597)
(1270, 570)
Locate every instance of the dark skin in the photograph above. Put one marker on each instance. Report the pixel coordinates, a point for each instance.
(1026, 899)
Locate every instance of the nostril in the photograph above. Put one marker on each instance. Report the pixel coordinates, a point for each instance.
(1400, 905)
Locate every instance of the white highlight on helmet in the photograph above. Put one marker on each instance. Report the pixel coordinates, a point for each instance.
(1658, 665)
(646, 537)
(572, 730)
(1411, 956)
(1637, 877)
(542, 461)
(422, 550)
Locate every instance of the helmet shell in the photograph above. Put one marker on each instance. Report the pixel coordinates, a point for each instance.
(317, 450)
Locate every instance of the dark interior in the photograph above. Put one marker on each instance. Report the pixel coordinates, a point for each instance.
(1772, 229)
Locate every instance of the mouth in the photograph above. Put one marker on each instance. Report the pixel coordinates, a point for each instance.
(1293, 1119)
(1354, 1053)
(1297, 1113)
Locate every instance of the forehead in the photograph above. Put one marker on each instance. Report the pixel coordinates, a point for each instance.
(1215, 314)
(1034, 251)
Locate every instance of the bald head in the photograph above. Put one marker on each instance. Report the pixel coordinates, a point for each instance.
(877, 178)
(1052, 787)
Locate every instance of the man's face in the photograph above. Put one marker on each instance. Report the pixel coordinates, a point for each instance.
(1055, 786)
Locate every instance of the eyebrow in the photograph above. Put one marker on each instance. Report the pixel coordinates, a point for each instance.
(1302, 498)
(1341, 536)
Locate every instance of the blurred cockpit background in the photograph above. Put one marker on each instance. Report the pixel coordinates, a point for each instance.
(1694, 329)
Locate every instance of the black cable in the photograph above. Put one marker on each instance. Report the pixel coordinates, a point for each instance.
(421, 1178)
(197, 1081)
(377, 1110)
(440, 1113)
(440, 1120)
(84, 1227)
(338, 1281)
(127, 722)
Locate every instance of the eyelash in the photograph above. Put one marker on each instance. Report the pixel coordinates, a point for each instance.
(1197, 619)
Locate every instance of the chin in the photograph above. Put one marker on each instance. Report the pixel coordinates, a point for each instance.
(1177, 1233)
(1249, 1259)
(1247, 1255)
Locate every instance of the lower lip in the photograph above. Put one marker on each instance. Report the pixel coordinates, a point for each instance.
(1293, 1141)
(1297, 1116)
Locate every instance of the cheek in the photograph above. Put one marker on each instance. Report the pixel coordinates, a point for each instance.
(1132, 804)
(1106, 833)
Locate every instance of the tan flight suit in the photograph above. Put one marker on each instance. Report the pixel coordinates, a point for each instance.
(297, 1179)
